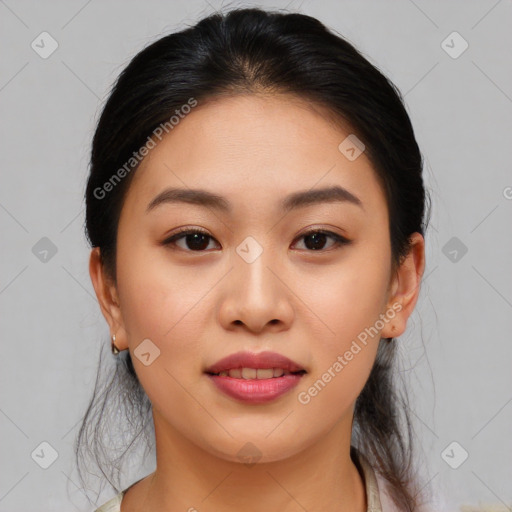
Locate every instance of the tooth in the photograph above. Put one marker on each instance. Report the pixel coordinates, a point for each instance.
(267, 373)
(254, 373)
(249, 373)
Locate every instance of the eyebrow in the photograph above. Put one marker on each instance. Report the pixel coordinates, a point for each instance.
(293, 201)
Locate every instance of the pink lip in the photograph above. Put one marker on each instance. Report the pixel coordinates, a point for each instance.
(254, 360)
(256, 391)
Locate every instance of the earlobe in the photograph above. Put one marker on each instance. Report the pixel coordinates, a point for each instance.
(106, 293)
(406, 287)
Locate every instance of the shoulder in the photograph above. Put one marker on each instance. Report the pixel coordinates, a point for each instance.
(113, 505)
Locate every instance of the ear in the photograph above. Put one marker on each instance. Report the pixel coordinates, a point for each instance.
(405, 288)
(106, 292)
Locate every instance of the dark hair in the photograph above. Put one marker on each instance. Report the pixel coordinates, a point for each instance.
(248, 51)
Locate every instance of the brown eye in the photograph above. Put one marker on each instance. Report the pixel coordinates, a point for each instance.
(195, 240)
(315, 240)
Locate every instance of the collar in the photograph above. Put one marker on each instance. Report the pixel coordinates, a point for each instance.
(370, 480)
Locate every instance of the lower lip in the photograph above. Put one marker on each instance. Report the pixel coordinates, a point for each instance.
(256, 391)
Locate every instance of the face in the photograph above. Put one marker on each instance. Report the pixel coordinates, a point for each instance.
(312, 281)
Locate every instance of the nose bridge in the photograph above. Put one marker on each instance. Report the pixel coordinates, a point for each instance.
(256, 296)
(251, 261)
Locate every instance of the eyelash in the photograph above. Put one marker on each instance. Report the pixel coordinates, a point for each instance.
(338, 239)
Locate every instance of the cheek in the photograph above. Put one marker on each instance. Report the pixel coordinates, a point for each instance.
(161, 303)
(348, 301)
(345, 350)
(348, 298)
(154, 294)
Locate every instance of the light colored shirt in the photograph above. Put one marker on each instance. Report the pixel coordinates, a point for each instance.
(373, 494)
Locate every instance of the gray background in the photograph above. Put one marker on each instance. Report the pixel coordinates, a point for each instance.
(458, 344)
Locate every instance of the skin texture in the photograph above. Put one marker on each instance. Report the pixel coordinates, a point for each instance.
(307, 304)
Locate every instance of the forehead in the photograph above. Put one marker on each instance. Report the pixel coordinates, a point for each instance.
(255, 147)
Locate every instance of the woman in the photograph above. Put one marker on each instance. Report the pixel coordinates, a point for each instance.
(256, 212)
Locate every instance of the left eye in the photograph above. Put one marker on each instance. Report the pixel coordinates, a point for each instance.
(197, 240)
(317, 238)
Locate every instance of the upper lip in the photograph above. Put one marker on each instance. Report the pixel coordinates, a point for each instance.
(254, 360)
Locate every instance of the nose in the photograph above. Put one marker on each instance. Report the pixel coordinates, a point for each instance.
(256, 296)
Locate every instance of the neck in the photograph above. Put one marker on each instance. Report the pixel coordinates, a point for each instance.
(319, 477)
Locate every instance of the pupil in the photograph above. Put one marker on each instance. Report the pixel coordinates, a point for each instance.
(316, 237)
(199, 241)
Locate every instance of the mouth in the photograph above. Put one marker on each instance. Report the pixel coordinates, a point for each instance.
(251, 365)
(255, 378)
(255, 373)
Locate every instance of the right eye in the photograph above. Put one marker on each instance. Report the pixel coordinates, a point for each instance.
(196, 240)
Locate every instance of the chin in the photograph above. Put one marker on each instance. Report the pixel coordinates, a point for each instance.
(255, 448)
